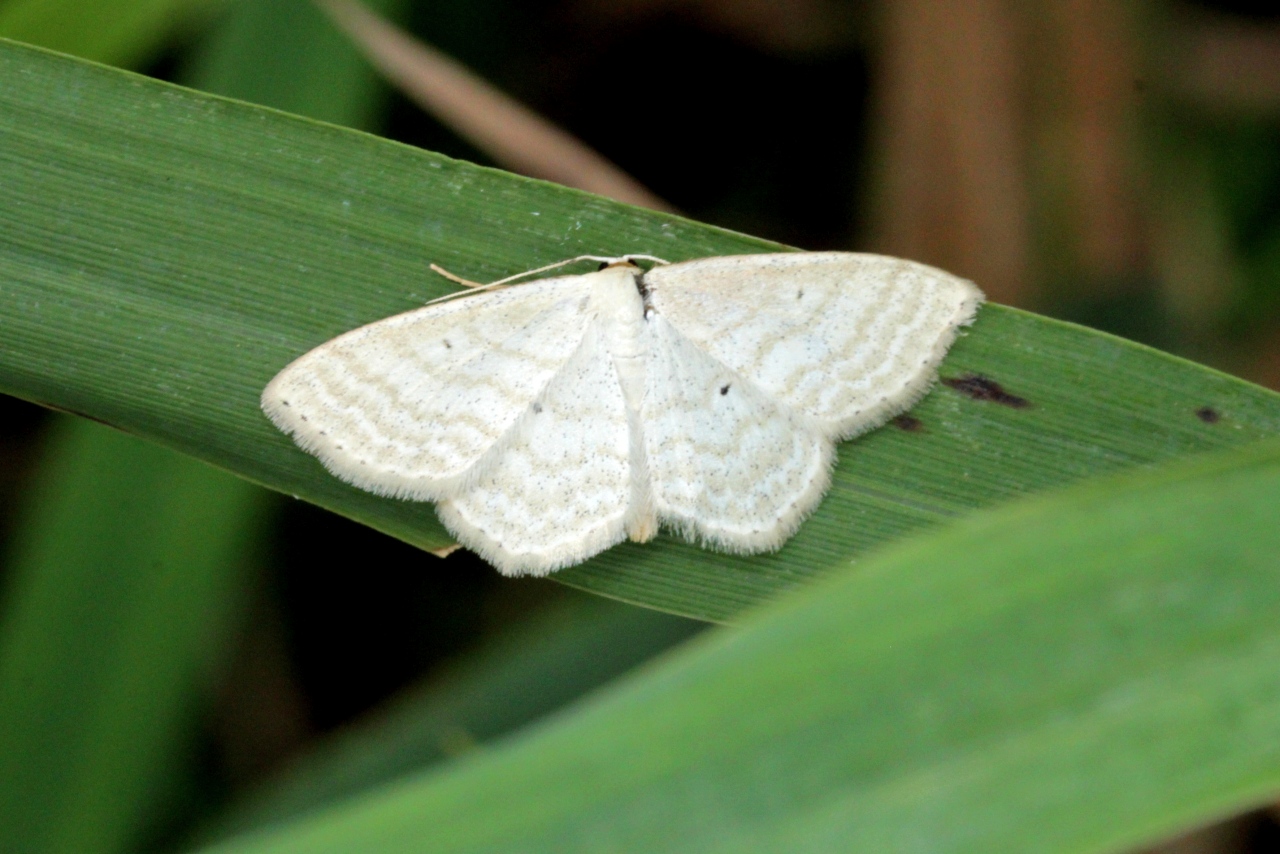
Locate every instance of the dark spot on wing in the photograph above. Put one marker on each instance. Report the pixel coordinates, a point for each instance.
(447, 345)
(1208, 415)
(604, 265)
(981, 388)
(908, 423)
(724, 389)
(800, 293)
(537, 407)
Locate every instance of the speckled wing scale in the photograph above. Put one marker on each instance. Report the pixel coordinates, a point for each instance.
(407, 406)
(729, 465)
(848, 340)
(556, 488)
(553, 419)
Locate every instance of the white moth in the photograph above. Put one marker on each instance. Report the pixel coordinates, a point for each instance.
(553, 419)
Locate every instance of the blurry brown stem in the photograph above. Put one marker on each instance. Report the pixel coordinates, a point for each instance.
(513, 135)
(950, 148)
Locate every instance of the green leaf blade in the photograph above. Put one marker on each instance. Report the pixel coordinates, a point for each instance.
(166, 252)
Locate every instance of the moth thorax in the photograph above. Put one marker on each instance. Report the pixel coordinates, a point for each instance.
(616, 300)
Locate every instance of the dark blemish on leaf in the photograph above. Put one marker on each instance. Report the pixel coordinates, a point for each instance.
(908, 424)
(724, 389)
(980, 388)
(447, 345)
(537, 407)
(1208, 415)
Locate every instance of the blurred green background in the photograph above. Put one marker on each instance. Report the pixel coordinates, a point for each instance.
(221, 654)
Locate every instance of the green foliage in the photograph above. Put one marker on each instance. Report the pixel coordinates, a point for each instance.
(1077, 673)
(119, 32)
(286, 54)
(120, 595)
(527, 671)
(169, 252)
(111, 635)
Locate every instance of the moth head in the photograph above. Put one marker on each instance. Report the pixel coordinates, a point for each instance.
(624, 261)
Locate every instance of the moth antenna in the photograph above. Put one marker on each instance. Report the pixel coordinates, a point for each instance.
(476, 286)
(566, 262)
(453, 277)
